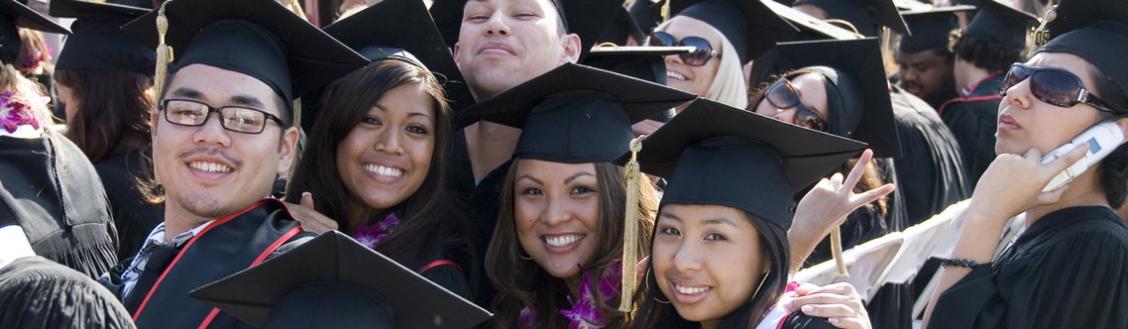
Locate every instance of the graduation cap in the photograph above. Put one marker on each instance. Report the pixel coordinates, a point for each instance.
(14, 15)
(810, 27)
(714, 154)
(645, 63)
(622, 28)
(97, 42)
(259, 38)
(586, 18)
(931, 28)
(1001, 24)
(854, 68)
(1104, 44)
(332, 281)
(1074, 14)
(864, 15)
(749, 25)
(648, 13)
(403, 30)
(575, 113)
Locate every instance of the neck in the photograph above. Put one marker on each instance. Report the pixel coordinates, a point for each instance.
(358, 214)
(574, 286)
(973, 76)
(709, 324)
(1083, 191)
(489, 145)
(178, 220)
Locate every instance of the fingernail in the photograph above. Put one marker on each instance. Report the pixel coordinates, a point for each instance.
(833, 320)
(305, 194)
(808, 308)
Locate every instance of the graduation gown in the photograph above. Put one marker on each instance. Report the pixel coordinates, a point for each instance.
(973, 120)
(51, 191)
(482, 201)
(134, 218)
(1068, 270)
(246, 238)
(39, 293)
(930, 169)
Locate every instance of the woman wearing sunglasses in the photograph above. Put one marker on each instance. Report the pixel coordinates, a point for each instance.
(1069, 267)
(726, 34)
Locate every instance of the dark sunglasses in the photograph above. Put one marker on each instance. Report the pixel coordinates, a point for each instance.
(702, 53)
(1054, 86)
(782, 94)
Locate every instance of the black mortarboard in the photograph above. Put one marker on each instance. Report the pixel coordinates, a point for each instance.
(647, 13)
(334, 282)
(931, 28)
(40, 293)
(575, 113)
(714, 154)
(646, 63)
(749, 25)
(853, 67)
(1001, 24)
(865, 15)
(259, 38)
(1074, 14)
(399, 29)
(810, 27)
(586, 18)
(1104, 44)
(621, 28)
(13, 15)
(97, 42)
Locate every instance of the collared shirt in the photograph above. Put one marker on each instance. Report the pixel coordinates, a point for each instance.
(155, 239)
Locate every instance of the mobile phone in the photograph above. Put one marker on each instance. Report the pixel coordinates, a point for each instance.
(1101, 140)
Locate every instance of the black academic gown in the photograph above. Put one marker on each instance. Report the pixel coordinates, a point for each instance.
(1068, 270)
(160, 298)
(39, 293)
(134, 217)
(482, 200)
(930, 169)
(50, 189)
(973, 120)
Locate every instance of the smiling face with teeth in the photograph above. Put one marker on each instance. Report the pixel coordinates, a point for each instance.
(386, 157)
(208, 171)
(556, 212)
(693, 79)
(707, 260)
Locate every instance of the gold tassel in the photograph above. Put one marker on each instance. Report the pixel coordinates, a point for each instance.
(630, 229)
(836, 252)
(665, 11)
(1042, 34)
(164, 53)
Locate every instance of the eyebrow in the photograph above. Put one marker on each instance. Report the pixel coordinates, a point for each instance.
(577, 175)
(187, 92)
(666, 214)
(527, 176)
(246, 100)
(719, 221)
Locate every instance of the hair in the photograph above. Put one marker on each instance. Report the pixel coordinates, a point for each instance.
(427, 220)
(522, 283)
(1113, 169)
(986, 53)
(34, 53)
(115, 110)
(728, 86)
(774, 245)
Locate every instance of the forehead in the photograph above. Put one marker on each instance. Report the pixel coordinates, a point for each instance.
(925, 56)
(219, 87)
(548, 6)
(682, 26)
(548, 170)
(697, 214)
(1069, 62)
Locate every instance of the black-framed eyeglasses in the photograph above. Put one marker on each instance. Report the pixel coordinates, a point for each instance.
(702, 53)
(192, 113)
(1054, 86)
(783, 95)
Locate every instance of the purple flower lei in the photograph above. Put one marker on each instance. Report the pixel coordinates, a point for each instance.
(584, 314)
(14, 113)
(372, 235)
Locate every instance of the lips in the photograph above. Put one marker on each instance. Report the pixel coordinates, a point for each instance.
(209, 167)
(496, 48)
(383, 172)
(562, 242)
(1006, 121)
(670, 74)
(689, 293)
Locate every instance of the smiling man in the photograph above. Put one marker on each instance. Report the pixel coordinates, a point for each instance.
(222, 133)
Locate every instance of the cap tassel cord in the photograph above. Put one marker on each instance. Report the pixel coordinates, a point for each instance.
(630, 229)
(164, 52)
(836, 252)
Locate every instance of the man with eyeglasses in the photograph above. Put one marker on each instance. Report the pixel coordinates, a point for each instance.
(222, 133)
(995, 38)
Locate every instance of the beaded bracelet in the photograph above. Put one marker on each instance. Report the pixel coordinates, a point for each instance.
(962, 262)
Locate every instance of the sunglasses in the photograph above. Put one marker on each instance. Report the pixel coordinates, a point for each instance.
(782, 94)
(702, 53)
(1054, 86)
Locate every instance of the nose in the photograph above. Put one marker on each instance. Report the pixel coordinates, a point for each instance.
(1019, 95)
(556, 212)
(784, 115)
(388, 141)
(496, 25)
(212, 132)
(687, 258)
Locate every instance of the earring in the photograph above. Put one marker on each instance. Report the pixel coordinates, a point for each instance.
(659, 292)
(522, 255)
(761, 285)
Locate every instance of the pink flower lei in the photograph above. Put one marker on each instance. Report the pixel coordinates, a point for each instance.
(14, 113)
(584, 313)
(372, 235)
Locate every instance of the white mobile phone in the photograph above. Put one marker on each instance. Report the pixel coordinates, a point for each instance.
(1101, 139)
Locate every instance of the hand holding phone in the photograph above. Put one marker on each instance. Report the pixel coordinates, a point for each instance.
(1101, 140)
